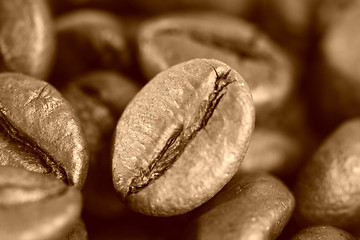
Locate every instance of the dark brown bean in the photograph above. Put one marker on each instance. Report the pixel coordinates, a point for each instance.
(182, 137)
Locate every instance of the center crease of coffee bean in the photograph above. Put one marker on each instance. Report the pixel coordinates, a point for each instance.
(45, 159)
(181, 137)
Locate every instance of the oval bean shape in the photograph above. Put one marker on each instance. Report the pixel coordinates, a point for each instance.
(251, 206)
(27, 40)
(172, 39)
(337, 85)
(35, 206)
(273, 151)
(39, 130)
(182, 137)
(98, 99)
(328, 187)
(322, 233)
(88, 40)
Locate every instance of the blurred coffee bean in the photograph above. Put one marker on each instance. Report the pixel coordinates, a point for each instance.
(99, 98)
(35, 206)
(27, 41)
(289, 22)
(272, 151)
(250, 206)
(235, 7)
(88, 40)
(39, 130)
(328, 12)
(336, 87)
(172, 39)
(322, 233)
(182, 138)
(327, 189)
(78, 232)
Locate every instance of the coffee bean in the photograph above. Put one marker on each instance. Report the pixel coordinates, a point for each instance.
(88, 40)
(182, 137)
(27, 42)
(328, 12)
(78, 232)
(171, 39)
(250, 206)
(290, 23)
(322, 233)
(273, 151)
(39, 130)
(99, 98)
(35, 206)
(337, 85)
(327, 190)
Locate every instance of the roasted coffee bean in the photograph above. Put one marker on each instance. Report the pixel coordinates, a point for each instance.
(27, 42)
(322, 233)
(327, 190)
(272, 151)
(172, 39)
(39, 130)
(182, 137)
(99, 98)
(88, 40)
(36, 206)
(250, 206)
(337, 86)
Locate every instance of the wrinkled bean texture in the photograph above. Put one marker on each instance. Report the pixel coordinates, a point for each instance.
(189, 129)
(179, 119)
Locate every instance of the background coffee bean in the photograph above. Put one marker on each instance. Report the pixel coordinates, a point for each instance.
(35, 206)
(39, 130)
(322, 233)
(99, 99)
(171, 39)
(78, 232)
(27, 42)
(290, 22)
(89, 40)
(250, 206)
(337, 83)
(328, 12)
(272, 151)
(327, 189)
(182, 137)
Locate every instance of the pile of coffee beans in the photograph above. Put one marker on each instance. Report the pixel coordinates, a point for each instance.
(178, 119)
